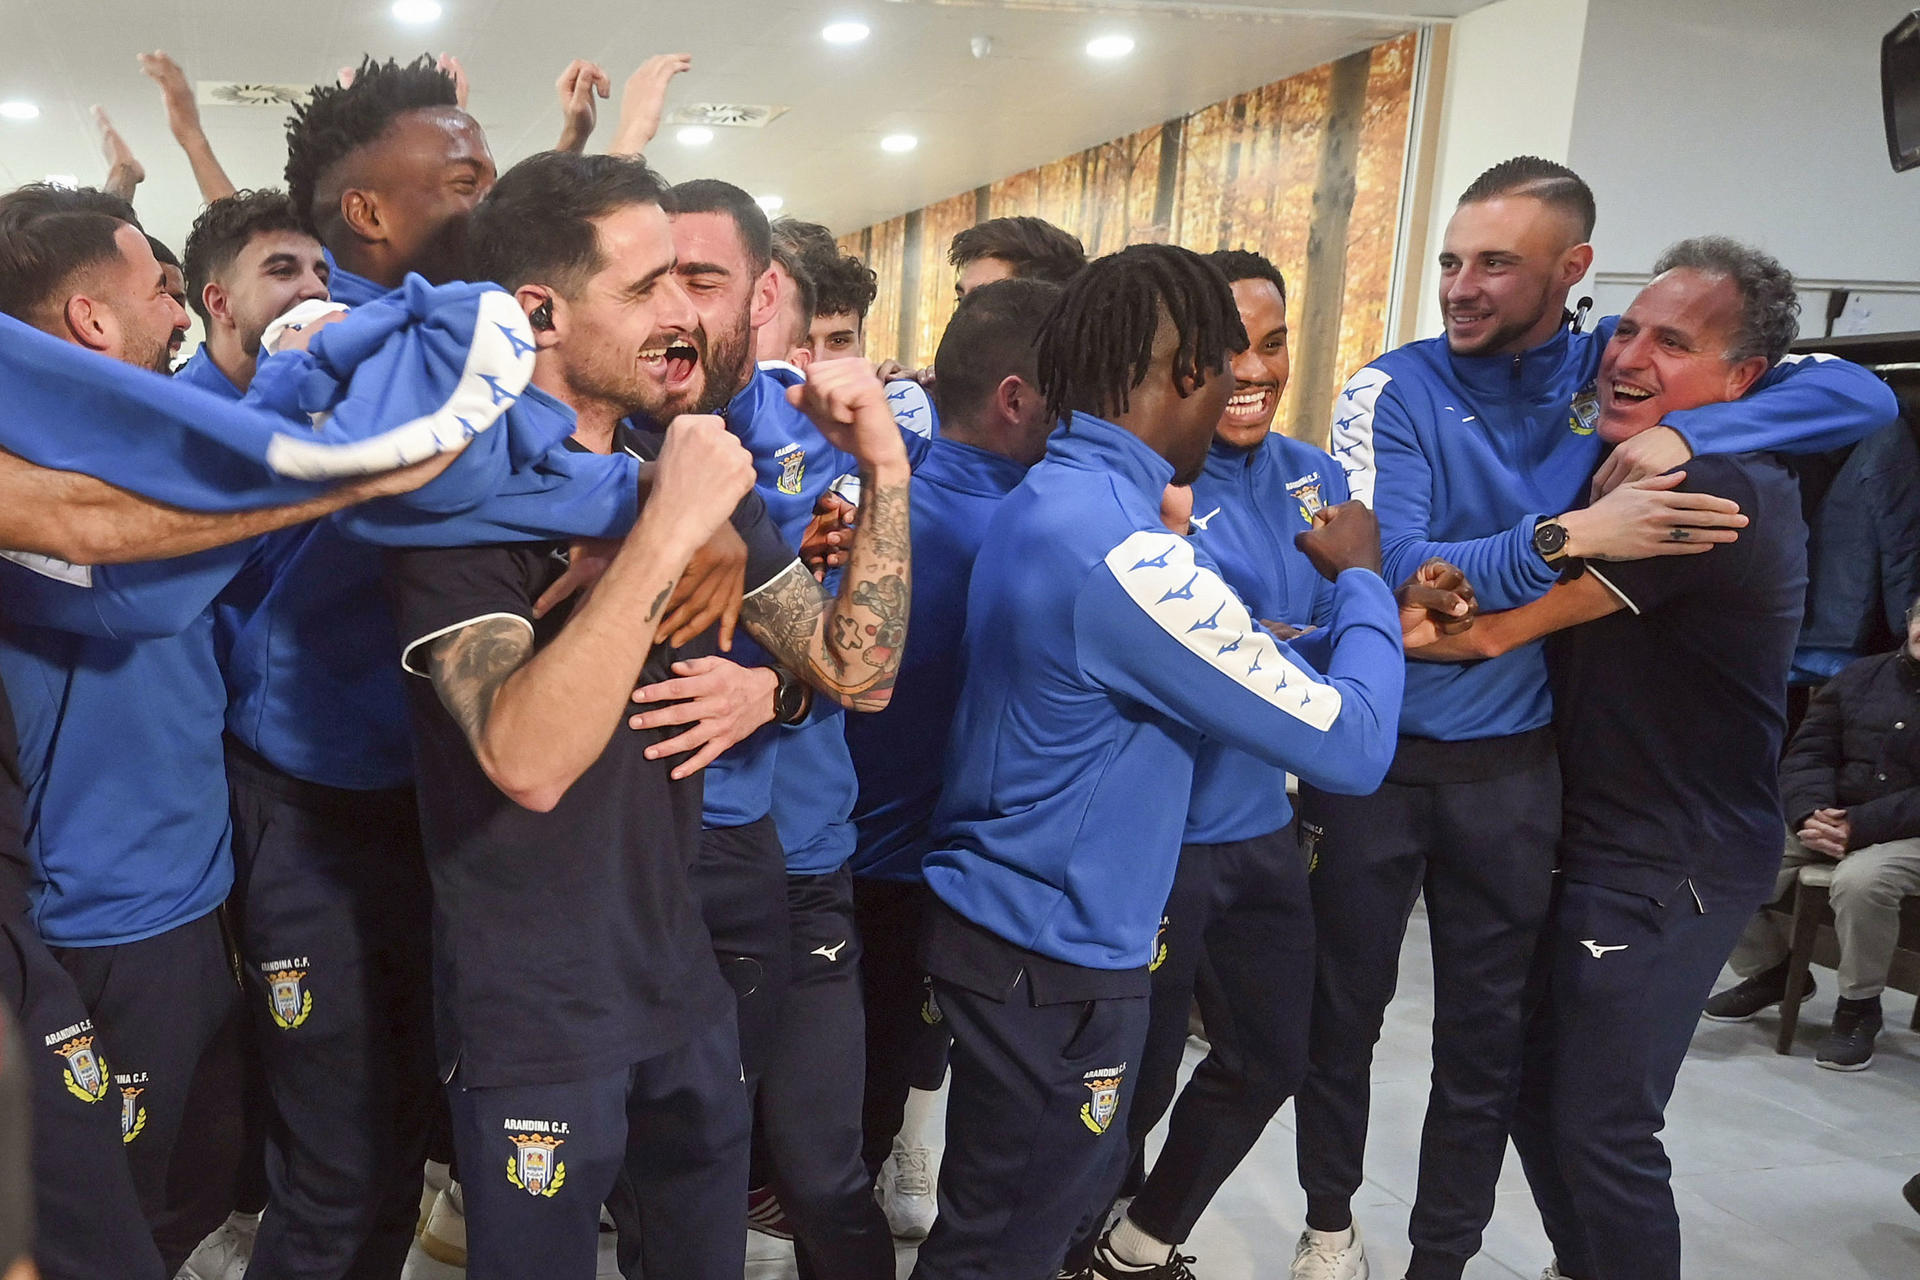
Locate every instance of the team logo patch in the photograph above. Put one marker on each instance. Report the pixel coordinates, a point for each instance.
(1310, 837)
(1586, 413)
(133, 1116)
(930, 1009)
(1159, 947)
(532, 1166)
(85, 1073)
(288, 999)
(1310, 492)
(1098, 1111)
(793, 468)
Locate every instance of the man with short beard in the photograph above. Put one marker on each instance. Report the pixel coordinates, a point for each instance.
(248, 263)
(1479, 447)
(1669, 683)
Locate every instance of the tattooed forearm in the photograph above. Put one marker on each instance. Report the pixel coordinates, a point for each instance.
(469, 667)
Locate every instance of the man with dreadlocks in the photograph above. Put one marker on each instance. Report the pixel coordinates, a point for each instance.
(1092, 676)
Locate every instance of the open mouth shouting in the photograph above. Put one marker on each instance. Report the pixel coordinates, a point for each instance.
(1626, 395)
(672, 360)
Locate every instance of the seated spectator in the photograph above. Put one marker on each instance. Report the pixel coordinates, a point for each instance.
(1851, 787)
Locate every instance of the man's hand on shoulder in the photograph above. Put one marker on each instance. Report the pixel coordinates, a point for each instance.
(1653, 452)
(1651, 517)
(1343, 537)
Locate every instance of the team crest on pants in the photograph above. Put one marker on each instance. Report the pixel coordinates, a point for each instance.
(1159, 946)
(85, 1074)
(288, 999)
(532, 1167)
(1097, 1112)
(133, 1116)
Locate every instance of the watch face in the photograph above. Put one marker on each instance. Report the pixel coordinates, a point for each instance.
(1549, 539)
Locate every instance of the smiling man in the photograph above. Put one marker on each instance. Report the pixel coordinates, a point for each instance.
(1467, 445)
(1669, 711)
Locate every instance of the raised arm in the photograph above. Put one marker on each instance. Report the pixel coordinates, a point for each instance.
(124, 172)
(644, 100)
(537, 721)
(577, 88)
(848, 645)
(183, 118)
(86, 521)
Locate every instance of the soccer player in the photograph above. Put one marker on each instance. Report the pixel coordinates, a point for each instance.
(1480, 448)
(996, 426)
(1669, 706)
(1100, 649)
(1020, 248)
(248, 261)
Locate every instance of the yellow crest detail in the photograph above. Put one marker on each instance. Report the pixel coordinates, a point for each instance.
(532, 1167)
(287, 1000)
(85, 1074)
(133, 1116)
(1159, 947)
(1097, 1113)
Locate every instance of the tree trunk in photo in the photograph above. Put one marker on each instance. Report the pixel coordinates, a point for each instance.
(1316, 313)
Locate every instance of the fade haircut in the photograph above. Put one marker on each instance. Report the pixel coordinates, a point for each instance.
(1553, 185)
(711, 195)
(48, 235)
(227, 226)
(333, 123)
(1244, 264)
(1769, 306)
(990, 338)
(796, 268)
(843, 283)
(1033, 247)
(1097, 345)
(537, 224)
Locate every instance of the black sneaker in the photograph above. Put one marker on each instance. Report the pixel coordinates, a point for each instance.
(1107, 1267)
(1849, 1045)
(1762, 991)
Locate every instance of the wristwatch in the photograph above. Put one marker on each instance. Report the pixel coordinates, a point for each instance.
(1550, 540)
(790, 700)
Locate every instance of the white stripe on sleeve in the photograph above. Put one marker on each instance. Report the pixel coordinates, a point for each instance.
(1352, 435)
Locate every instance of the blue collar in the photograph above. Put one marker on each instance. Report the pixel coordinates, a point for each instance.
(1094, 444)
(970, 469)
(1531, 370)
(344, 286)
(200, 371)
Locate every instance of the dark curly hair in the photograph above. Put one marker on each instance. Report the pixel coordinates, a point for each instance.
(333, 123)
(223, 229)
(1244, 264)
(1769, 304)
(842, 283)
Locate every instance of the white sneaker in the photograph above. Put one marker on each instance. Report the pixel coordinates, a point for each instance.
(444, 1238)
(434, 1179)
(1313, 1260)
(224, 1254)
(906, 1191)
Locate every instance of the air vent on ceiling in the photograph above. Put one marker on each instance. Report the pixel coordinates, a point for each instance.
(726, 115)
(250, 93)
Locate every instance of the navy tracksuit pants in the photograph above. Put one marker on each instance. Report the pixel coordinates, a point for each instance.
(537, 1161)
(166, 1020)
(1044, 1061)
(1621, 980)
(88, 1222)
(906, 1048)
(1473, 827)
(1238, 937)
(810, 1097)
(740, 879)
(332, 913)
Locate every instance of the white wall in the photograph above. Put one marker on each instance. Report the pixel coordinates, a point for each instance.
(1759, 120)
(1512, 71)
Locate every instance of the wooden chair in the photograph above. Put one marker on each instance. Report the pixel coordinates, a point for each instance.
(1814, 943)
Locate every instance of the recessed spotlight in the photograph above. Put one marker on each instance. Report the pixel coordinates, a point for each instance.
(1109, 46)
(18, 111)
(416, 13)
(694, 135)
(844, 33)
(899, 142)
(771, 204)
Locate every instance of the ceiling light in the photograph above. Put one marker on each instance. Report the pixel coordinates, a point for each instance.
(18, 111)
(416, 13)
(694, 135)
(844, 33)
(771, 204)
(899, 142)
(1109, 46)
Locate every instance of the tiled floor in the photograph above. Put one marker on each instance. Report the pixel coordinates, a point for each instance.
(1782, 1171)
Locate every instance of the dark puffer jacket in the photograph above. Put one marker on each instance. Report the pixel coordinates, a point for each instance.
(1859, 750)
